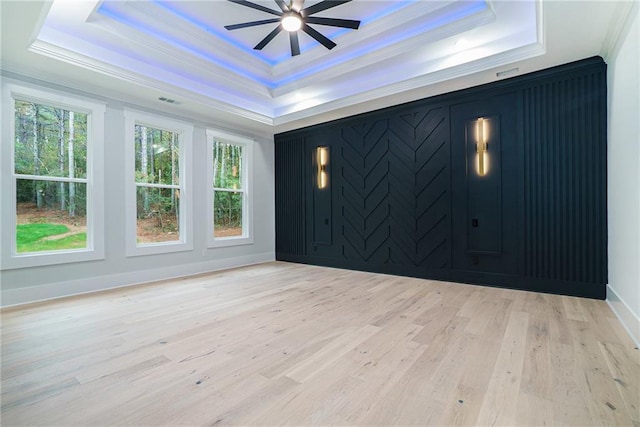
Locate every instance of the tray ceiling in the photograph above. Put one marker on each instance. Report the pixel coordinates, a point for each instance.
(184, 47)
(149, 49)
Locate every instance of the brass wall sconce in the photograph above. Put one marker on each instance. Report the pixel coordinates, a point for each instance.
(322, 160)
(482, 146)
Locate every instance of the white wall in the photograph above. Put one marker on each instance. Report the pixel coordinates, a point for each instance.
(623, 292)
(39, 283)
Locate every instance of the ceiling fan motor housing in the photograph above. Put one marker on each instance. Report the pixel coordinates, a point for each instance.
(292, 21)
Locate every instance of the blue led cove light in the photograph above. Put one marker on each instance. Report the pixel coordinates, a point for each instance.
(106, 10)
(395, 6)
(452, 16)
(223, 35)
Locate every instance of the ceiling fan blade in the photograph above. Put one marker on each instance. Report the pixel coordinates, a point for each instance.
(319, 37)
(251, 24)
(265, 41)
(295, 44)
(323, 5)
(256, 6)
(297, 5)
(343, 23)
(282, 5)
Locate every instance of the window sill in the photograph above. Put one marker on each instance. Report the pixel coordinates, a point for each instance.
(223, 242)
(37, 259)
(158, 248)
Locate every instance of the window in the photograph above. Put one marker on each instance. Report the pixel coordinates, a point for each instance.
(230, 202)
(158, 197)
(53, 177)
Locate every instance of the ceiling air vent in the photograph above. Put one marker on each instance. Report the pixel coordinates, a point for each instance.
(168, 100)
(508, 73)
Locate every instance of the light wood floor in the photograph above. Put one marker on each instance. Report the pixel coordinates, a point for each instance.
(290, 344)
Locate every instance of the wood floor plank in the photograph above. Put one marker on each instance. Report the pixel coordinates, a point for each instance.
(533, 411)
(319, 361)
(603, 399)
(378, 381)
(291, 344)
(464, 409)
(624, 371)
(537, 373)
(500, 403)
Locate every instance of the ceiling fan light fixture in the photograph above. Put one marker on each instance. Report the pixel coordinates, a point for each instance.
(293, 18)
(291, 21)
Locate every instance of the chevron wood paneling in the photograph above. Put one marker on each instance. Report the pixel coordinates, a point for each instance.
(395, 192)
(419, 197)
(364, 191)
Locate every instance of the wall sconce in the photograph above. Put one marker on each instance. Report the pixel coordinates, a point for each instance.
(482, 146)
(322, 160)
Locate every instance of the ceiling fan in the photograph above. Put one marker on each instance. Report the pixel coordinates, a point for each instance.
(292, 18)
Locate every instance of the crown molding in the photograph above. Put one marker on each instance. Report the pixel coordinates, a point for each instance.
(73, 58)
(498, 60)
(384, 54)
(225, 63)
(619, 26)
(355, 39)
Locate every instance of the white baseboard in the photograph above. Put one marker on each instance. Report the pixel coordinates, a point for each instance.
(629, 320)
(13, 297)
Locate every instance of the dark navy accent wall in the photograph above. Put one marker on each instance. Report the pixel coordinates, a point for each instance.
(404, 195)
(484, 208)
(419, 190)
(364, 191)
(291, 167)
(565, 158)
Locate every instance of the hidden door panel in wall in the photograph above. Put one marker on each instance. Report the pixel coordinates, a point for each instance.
(484, 158)
(321, 187)
(364, 191)
(503, 184)
(290, 180)
(565, 211)
(419, 188)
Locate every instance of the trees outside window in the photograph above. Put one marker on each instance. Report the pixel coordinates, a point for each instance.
(228, 200)
(50, 167)
(158, 152)
(54, 175)
(157, 177)
(230, 204)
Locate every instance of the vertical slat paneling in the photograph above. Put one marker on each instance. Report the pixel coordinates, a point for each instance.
(391, 209)
(565, 179)
(290, 196)
(601, 168)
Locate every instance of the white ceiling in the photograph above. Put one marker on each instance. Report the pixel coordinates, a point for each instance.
(138, 51)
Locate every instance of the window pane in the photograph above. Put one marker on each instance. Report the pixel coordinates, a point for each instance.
(227, 164)
(157, 155)
(158, 215)
(50, 216)
(227, 214)
(50, 141)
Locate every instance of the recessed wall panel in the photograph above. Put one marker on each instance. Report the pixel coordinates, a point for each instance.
(485, 201)
(408, 194)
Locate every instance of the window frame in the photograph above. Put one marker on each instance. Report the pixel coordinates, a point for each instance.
(247, 187)
(185, 140)
(95, 111)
